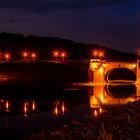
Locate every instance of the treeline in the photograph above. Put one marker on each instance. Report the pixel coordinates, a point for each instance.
(44, 46)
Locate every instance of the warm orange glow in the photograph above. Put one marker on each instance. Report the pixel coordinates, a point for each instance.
(56, 53)
(94, 65)
(25, 54)
(56, 111)
(63, 108)
(101, 69)
(95, 53)
(25, 109)
(94, 102)
(63, 54)
(100, 110)
(95, 113)
(33, 105)
(7, 106)
(102, 98)
(100, 54)
(7, 56)
(133, 65)
(104, 65)
(33, 55)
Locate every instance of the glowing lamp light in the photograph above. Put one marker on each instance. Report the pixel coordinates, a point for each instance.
(63, 54)
(25, 54)
(7, 56)
(100, 54)
(56, 53)
(95, 53)
(33, 56)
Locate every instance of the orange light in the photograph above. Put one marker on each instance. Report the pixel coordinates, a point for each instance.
(56, 111)
(56, 53)
(100, 110)
(63, 54)
(7, 56)
(104, 65)
(95, 113)
(95, 53)
(133, 65)
(102, 98)
(25, 109)
(101, 54)
(63, 108)
(33, 105)
(25, 54)
(7, 106)
(33, 55)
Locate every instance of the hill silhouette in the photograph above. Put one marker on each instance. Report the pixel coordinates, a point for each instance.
(44, 46)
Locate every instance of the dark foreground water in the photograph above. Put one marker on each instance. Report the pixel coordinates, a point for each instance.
(29, 109)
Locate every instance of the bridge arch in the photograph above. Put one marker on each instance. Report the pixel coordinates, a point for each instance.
(120, 74)
(101, 70)
(120, 91)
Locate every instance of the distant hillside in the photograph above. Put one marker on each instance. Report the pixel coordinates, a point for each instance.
(44, 46)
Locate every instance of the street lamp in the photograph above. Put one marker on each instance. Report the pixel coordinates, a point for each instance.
(100, 54)
(25, 55)
(95, 53)
(33, 56)
(55, 54)
(63, 55)
(7, 56)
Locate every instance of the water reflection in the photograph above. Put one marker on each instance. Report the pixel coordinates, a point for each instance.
(29, 107)
(62, 107)
(7, 106)
(33, 105)
(96, 111)
(25, 109)
(59, 108)
(115, 94)
(99, 96)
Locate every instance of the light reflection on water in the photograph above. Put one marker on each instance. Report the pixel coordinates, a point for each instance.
(76, 102)
(113, 94)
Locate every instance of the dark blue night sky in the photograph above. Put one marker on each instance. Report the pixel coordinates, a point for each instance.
(112, 23)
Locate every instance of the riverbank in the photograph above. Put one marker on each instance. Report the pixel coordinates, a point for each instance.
(120, 122)
(41, 72)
